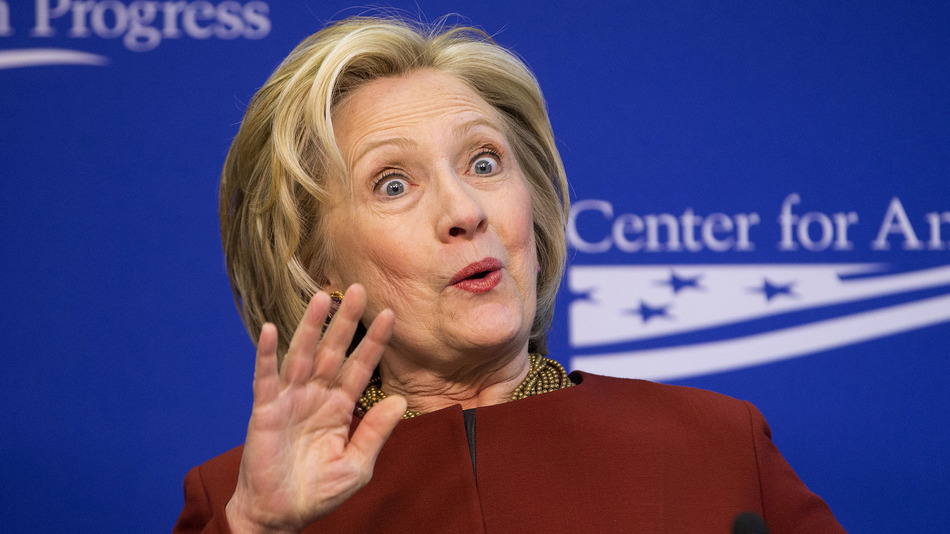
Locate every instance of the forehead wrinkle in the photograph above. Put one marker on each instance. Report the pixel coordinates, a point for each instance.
(408, 111)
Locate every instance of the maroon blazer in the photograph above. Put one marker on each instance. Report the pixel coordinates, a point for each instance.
(608, 455)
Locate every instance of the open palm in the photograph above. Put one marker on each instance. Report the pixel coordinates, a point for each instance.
(299, 461)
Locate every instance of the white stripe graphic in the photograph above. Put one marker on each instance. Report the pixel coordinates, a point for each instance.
(36, 57)
(724, 294)
(706, 358)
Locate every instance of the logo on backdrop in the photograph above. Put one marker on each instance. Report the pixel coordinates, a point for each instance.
(664, 322)
(141, 26)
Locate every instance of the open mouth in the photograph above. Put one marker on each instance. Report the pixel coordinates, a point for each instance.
(477, 270)
(479, 276)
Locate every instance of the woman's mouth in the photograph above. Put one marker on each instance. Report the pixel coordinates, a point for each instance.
(478, 277)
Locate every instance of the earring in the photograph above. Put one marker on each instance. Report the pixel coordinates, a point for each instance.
(336, 299)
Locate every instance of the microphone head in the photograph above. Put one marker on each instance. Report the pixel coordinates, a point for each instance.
(749, 523)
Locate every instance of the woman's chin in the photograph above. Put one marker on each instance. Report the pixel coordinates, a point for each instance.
(494, 327)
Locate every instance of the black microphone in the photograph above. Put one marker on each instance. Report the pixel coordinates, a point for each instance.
(749, 523)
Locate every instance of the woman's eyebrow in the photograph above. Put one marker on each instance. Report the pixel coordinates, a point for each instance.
(465, 127)
(404, 143)
(462, 129)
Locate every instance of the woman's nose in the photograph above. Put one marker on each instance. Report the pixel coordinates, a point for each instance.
(461, 213)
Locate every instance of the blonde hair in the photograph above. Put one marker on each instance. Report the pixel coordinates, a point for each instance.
(273, 194)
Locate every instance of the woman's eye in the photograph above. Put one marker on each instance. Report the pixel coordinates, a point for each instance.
(393, 187)
(485, 165)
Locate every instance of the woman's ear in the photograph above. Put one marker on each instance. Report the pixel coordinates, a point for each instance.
(333, 283)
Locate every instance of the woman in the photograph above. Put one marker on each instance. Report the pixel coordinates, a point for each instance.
(416, 170)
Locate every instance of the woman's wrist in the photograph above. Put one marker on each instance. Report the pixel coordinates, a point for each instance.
(242, 522)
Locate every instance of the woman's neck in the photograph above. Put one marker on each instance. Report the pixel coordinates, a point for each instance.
(427, 390)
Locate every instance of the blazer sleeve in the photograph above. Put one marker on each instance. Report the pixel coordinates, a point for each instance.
(788, 506)
(200, 515)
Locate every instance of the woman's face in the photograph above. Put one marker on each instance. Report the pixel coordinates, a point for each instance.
(435, 219)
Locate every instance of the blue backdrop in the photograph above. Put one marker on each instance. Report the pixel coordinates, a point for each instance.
(762, 208)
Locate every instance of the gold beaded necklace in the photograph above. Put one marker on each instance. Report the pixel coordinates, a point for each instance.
(544, 375)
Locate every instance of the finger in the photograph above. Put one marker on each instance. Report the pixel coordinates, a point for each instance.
(266, 379)
(374, 430)
(359, 367)
(303, 347)
(339, 334)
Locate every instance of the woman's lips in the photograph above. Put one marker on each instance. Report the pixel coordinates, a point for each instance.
(478, 277)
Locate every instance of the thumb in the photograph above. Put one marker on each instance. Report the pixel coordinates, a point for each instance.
(375, 428)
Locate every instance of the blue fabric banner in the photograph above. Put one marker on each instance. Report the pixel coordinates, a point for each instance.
(761, 207)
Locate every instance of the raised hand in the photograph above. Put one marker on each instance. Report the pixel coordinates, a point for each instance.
(299, 462)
